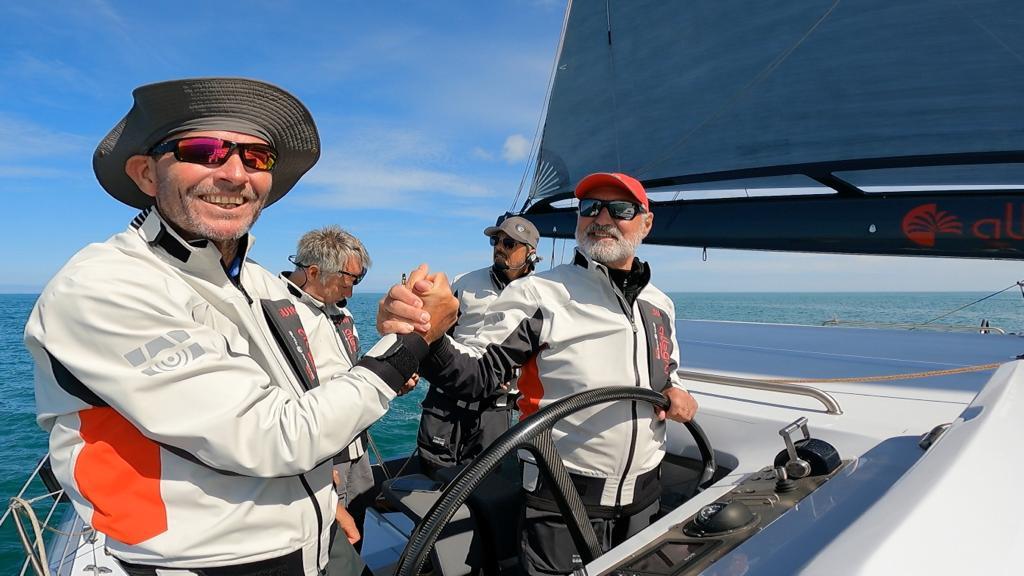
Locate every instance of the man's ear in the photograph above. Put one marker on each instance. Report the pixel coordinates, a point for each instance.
(142, 170)
(313, 272)
(648, 223)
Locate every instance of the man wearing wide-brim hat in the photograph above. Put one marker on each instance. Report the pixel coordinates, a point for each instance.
(452, 431)
(187, 421)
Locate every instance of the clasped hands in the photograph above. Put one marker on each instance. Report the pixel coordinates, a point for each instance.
(423, 304)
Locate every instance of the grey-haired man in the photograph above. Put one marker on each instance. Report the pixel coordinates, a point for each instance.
(454, 431)
(187, 420)
(329, 263)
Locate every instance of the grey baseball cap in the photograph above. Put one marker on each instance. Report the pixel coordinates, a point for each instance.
(517, 228)
(231, 104)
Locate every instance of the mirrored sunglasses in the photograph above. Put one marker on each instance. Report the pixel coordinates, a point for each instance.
(216, 151)
(618, 209)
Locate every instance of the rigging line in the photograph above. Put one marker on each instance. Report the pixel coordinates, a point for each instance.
(611, 72)
(989, 32)
(376, 454)
(537, 137)
(553, 240)
(1019, 283)
(561, 259)
(760, 77)
(406, 463)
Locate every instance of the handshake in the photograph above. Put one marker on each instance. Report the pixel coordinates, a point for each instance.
(423, 303)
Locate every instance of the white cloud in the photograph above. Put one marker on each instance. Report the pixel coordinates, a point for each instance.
(516, 148)
(24, 139)
(481, 154)
(36, 172)
(51, 72)
(392, 169)
(363, 184)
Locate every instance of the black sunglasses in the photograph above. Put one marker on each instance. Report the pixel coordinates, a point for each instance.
(618, 209)
(356, 278)
(507, 242)
(216, 151)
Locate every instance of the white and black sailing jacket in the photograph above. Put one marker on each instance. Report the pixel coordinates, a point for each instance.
(187, 419)
(570, 329)
(335, 346)
(475, 291)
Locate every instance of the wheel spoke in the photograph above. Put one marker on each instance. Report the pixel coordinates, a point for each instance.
(534, 435)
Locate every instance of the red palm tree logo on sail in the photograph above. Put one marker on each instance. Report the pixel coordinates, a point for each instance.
(922, 224)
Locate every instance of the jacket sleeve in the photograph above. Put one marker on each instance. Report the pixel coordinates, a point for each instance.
(129, 344)
(478, 366)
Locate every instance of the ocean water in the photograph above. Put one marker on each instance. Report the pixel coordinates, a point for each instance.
(24, 443)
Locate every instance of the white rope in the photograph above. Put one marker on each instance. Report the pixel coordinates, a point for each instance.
(38, 559)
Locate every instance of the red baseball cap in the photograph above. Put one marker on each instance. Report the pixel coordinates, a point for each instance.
(614, 180)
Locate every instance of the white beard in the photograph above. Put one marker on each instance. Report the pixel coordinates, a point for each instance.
(602, 249)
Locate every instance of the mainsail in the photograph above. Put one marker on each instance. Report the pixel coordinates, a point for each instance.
(827, 97)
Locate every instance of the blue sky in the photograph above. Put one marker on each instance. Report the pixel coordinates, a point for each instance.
(427, 111)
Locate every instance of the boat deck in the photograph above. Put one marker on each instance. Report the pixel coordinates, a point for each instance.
(878, 430)
(754, 350)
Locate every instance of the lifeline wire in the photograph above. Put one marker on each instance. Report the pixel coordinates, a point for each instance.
(1019, 284)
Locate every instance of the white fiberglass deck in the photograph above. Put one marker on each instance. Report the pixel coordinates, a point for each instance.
(752, 350)
(893, 491)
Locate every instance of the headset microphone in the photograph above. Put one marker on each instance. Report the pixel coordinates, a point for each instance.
(531, 260)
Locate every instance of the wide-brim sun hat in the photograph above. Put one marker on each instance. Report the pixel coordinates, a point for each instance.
(234, 104)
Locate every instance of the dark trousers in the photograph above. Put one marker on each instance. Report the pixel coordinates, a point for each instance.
(344, 560)
(356, 489)
(450, 435)
(548, 548)
(287, 565)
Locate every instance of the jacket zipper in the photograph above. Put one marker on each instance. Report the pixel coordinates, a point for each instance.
(319, 519)
(636, 371)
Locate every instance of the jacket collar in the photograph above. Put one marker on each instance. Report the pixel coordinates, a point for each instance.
(156, 232)
(199, 256)
(296, 291)
(304, 297)
(497, 280)
(583, 261)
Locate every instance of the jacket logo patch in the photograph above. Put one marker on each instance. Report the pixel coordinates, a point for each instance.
(350, 338)
(343, 326)
(303, 349)
(664, 347)
(165, 353)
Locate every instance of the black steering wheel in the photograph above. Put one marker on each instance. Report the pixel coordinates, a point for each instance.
(534, 435)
